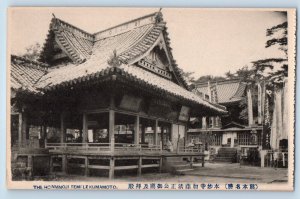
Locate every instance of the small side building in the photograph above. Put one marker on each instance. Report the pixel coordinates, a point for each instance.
(227, 136)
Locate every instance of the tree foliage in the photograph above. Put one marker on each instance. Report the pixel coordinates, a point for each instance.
(33, 52)
(277, 36)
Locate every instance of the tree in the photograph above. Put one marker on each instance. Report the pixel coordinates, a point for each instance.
(278, 36)
(187, 76)
(33, 52)
(206, 78)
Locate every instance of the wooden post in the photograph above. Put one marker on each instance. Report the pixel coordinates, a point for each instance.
(140, 166)
(112, 145)
(171, 133)
(20, 137)
(204, 124)
(23, 127)
(155, 132)
(250, 108)
(51, 164)
(162, 136)
(64, 164)
(137, 130)
(143, 133)
(86, 161)
(62, 128)
(160, 164)
(111, 168)
(191, 161)
(203, 160)
(30, 164)
(84, 128)
(160, 146)
(111, 124)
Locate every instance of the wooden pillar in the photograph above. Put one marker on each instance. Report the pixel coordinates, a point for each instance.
(64, 164)
(143, 133)
(51, 164)
(112, 145)
(155, 132)
(162, 136)
(204, 123)
(213, 122)
(191, 161)
(86, 161)
(20, 132)
(171, 133)
(250, 108)
(62, 128)
(140, 160)
(111, 168)
(137, 130)
(111, 124)
(203, 160)
(30, 164)
(84, 128)
(160, 164)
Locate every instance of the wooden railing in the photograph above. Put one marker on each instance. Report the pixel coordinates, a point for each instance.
(190, 150)
(110, 147)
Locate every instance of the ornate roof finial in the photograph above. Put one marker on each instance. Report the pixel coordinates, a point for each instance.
(158, 17)
(114, 60)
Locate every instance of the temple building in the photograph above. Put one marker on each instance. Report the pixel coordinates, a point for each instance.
(105, 102)
(229, 134)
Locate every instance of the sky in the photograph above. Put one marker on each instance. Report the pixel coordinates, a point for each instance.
(206, 42)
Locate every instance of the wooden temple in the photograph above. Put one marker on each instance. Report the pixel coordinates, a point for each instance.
(104, 102)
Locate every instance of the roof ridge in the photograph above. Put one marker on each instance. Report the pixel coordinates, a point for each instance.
(34, 64)
(220, 82)
(128, 25)
(124, 23)
(85, 33)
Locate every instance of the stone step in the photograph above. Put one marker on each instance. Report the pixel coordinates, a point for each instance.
(184, 170)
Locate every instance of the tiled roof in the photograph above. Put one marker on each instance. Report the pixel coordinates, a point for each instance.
(76, 43)
(228, 91)
(25, 73)
(90, 54)
(167, 86)
(91, 51)
(128, 46)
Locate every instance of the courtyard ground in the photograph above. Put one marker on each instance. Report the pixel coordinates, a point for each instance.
(211, 173)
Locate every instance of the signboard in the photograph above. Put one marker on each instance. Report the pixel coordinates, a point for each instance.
(184, 114)
(130, 103)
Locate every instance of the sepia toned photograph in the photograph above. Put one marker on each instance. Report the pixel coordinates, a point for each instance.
(150, 99)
